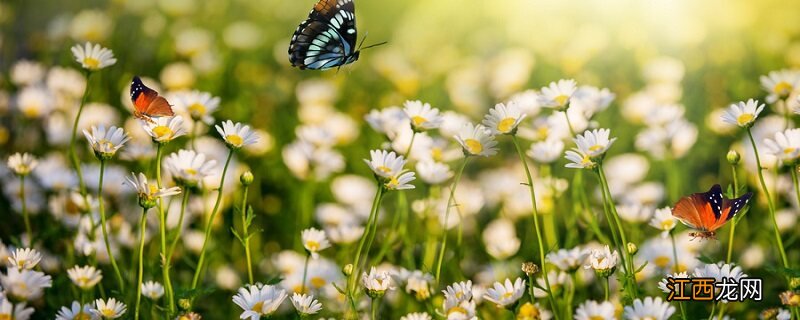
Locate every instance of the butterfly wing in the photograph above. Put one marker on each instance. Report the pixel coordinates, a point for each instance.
(700, 211)
(730, 208)
(327, 39)
(147, 102)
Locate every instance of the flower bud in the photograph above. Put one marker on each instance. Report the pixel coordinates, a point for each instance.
(348, 269)
(530, 268)
(185, 304)
(632, 248)
(247, 178)
(734, 157)
(794, 283)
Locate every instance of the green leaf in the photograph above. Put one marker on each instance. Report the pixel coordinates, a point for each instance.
(641, 267)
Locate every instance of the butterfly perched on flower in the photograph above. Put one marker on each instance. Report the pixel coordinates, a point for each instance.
(327, 39)
(147, 103)
(708, 211)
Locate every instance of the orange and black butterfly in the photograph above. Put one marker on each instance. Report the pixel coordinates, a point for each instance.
(147, 103)
(708, 211)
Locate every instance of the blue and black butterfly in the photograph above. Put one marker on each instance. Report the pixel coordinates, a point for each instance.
(327, 39)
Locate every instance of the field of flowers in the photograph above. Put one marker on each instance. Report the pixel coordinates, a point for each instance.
(508, 159)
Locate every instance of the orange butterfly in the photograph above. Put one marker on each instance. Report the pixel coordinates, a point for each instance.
(147, 103)
(706, 212)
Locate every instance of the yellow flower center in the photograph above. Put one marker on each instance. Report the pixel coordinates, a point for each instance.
(586, 161)
(543, 132)
(457, 309)
(596, 147)
(508, 294)
(436, 154)
(596, 318)
(506, 125)
(190, 171)
(318, 282)
(234, 139)
(782, 88)
(745, 118)
(528, 311)
(91, 63)
(662, 261)
(82, 316)
(32, 111)
(649, 318)
(197, 109)
(473, 146)
(667, 224)
(561, 100)
(788, 150)
(104, 145)
(162, 132)
(83, 281)
(393, 183)
(258, 306)
(108, 312)
(384, 169)
(5, 316)
(312, 245)
(417, 120)
(152, 189)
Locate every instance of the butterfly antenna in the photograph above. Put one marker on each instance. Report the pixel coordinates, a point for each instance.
(361, 45)
(362, 41)
(374, 45)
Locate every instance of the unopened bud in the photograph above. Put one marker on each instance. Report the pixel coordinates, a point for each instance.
(348, 269)
(794, 283)
(632, 248)
(734, 157)
(246, 178)
(530, 268)
(185, 304)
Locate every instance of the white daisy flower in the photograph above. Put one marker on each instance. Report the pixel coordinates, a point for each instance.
(593, 310)
(25, 72)
(25, 258)
(85, 277)
(164, 129)
(152, 290)
(476, 140)
(385, 164)
(344, 233)
(579, 160)
(388, 121)
(603, 261)
(22, 164)
(314, 241)
(460, 291)
(259, 300)
(417, 316)
(9, 310)
(35, 102)
(417, 283)
(400, 182)
(422, 116)
(93, 56)
(635, 212)
(455, 309)
(25, 284)
(78, 312)
(237, 135)
(506, 294)
(533, 311)
(305, 304)
(785, 146)
(148, 193)
(110, 309)
(432, 172)
(376, 283)
(199, 105)
(780, 84)
(650, 308)
(557, 95)
(105, 143)
(188, 167)
(663, 220)
(663, 283)
(719, 271)
(743, 114)
(504, 118)
(591, 100)
(546, 151)
(568, 260)
(594, 143)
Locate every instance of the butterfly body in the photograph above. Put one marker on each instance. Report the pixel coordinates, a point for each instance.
(327, 39)
(147, 103)
(708, 211)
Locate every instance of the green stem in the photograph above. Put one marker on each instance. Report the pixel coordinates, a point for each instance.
(179, 230)
(537, 229)
(246, 236)
(162, 216)
(627, 258)
(25, 216)
(376, 202)
(305, 273)
(675, 265)
(72, 154)
(375, 304)
(450, 203)
(104, 227)
(733, 223)
(202, 260)
(771, 205)
(606, 288)
(142, 227)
